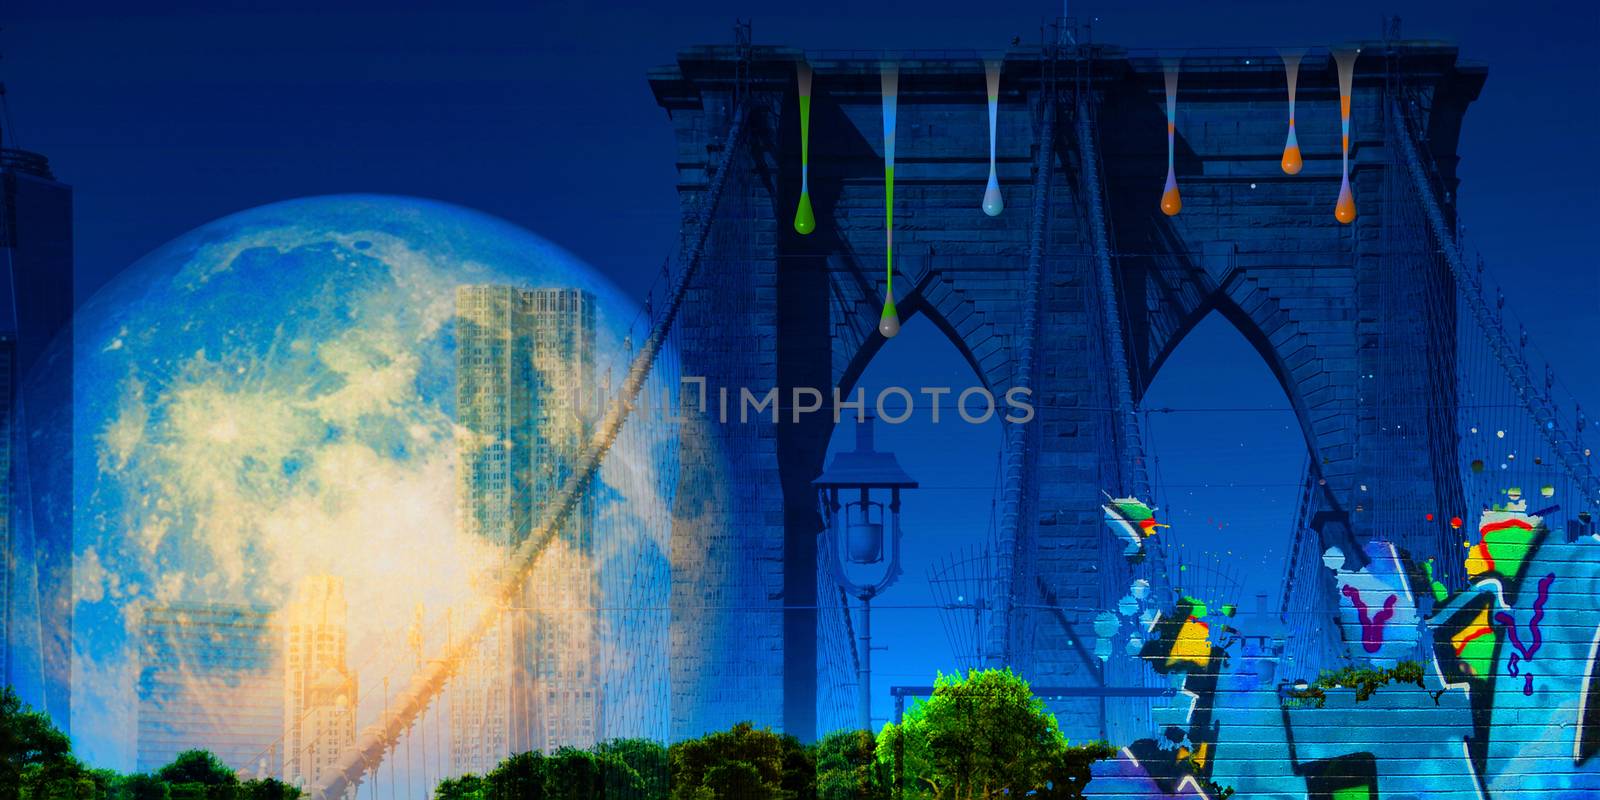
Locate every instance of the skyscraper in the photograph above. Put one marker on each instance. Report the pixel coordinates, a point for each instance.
(524, 371)
(36, 257)
(210, 676)
(319, 695)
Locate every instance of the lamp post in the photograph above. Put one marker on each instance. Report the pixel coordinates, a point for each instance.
(852, 492)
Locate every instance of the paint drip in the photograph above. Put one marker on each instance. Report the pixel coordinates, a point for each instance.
(1171, 203)
(993, 203)
(1292, 163)
(889, 321)
(1345, 209)
(804, 220)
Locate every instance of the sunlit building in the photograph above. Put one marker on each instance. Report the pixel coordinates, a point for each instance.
(319, 695)
(525, 372)
(210, 676)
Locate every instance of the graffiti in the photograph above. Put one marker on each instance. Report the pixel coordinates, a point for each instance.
(1371, 626)
(1526, 653)
(1347, 777)
(1507, 538)
(1388, 634)
(1586, 742)
(1132, 521)
(1439, 591)
(1507, 706)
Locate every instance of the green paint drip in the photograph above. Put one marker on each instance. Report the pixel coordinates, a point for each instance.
(889, 321)
(888, 222)
(804, 220)
(1440, 593)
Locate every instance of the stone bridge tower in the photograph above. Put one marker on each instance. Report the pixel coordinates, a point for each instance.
(1079, 291)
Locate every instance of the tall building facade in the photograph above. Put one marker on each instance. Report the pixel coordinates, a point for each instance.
(36, 398)
(320, 690)
(210, 676)
(525, 373)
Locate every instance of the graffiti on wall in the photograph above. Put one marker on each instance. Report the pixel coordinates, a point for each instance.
(1488, 692)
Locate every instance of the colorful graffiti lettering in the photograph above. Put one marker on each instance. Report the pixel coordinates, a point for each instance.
(1508, 703)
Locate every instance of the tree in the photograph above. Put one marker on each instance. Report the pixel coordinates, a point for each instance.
(799, 769)
(847, 769)
(267, 789)
(573, 774)
(984, 736)
(742, 762)
(466, 787)
(1069, 772)
(140, 786)
(197, 766)
(646, 776)
(517, 778)
(64, 779)
(27, 739)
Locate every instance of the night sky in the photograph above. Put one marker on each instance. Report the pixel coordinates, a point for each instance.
(540, 113)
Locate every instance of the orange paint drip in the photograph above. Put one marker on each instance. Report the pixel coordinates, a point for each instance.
(1291, 163)
(1345, 211)
(1171, 203)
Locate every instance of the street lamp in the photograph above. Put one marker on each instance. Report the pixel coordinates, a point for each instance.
(852, 493)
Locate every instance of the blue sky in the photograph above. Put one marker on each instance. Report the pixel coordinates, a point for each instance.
(540, 113)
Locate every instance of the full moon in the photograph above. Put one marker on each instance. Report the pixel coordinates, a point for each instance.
(272, 395)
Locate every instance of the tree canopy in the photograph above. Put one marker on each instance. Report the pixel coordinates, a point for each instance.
(847, 767)
(197, 766)
(979, 737)
(983, 736)
(743, 761)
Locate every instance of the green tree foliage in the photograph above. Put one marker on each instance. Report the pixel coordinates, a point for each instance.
(983, 736)
(267, 789)
(140, 786)
(65, 779)
(517, 778)
(647, 771)
(466, 787)
(1365, 681)
(799, 769)
(1068, 773)
(739, 763)
(572, 774)
(197, 766)
(27, 740)
(847, 767)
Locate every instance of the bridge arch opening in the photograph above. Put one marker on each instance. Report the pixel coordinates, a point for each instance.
(1229, 459)
(948, 521)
